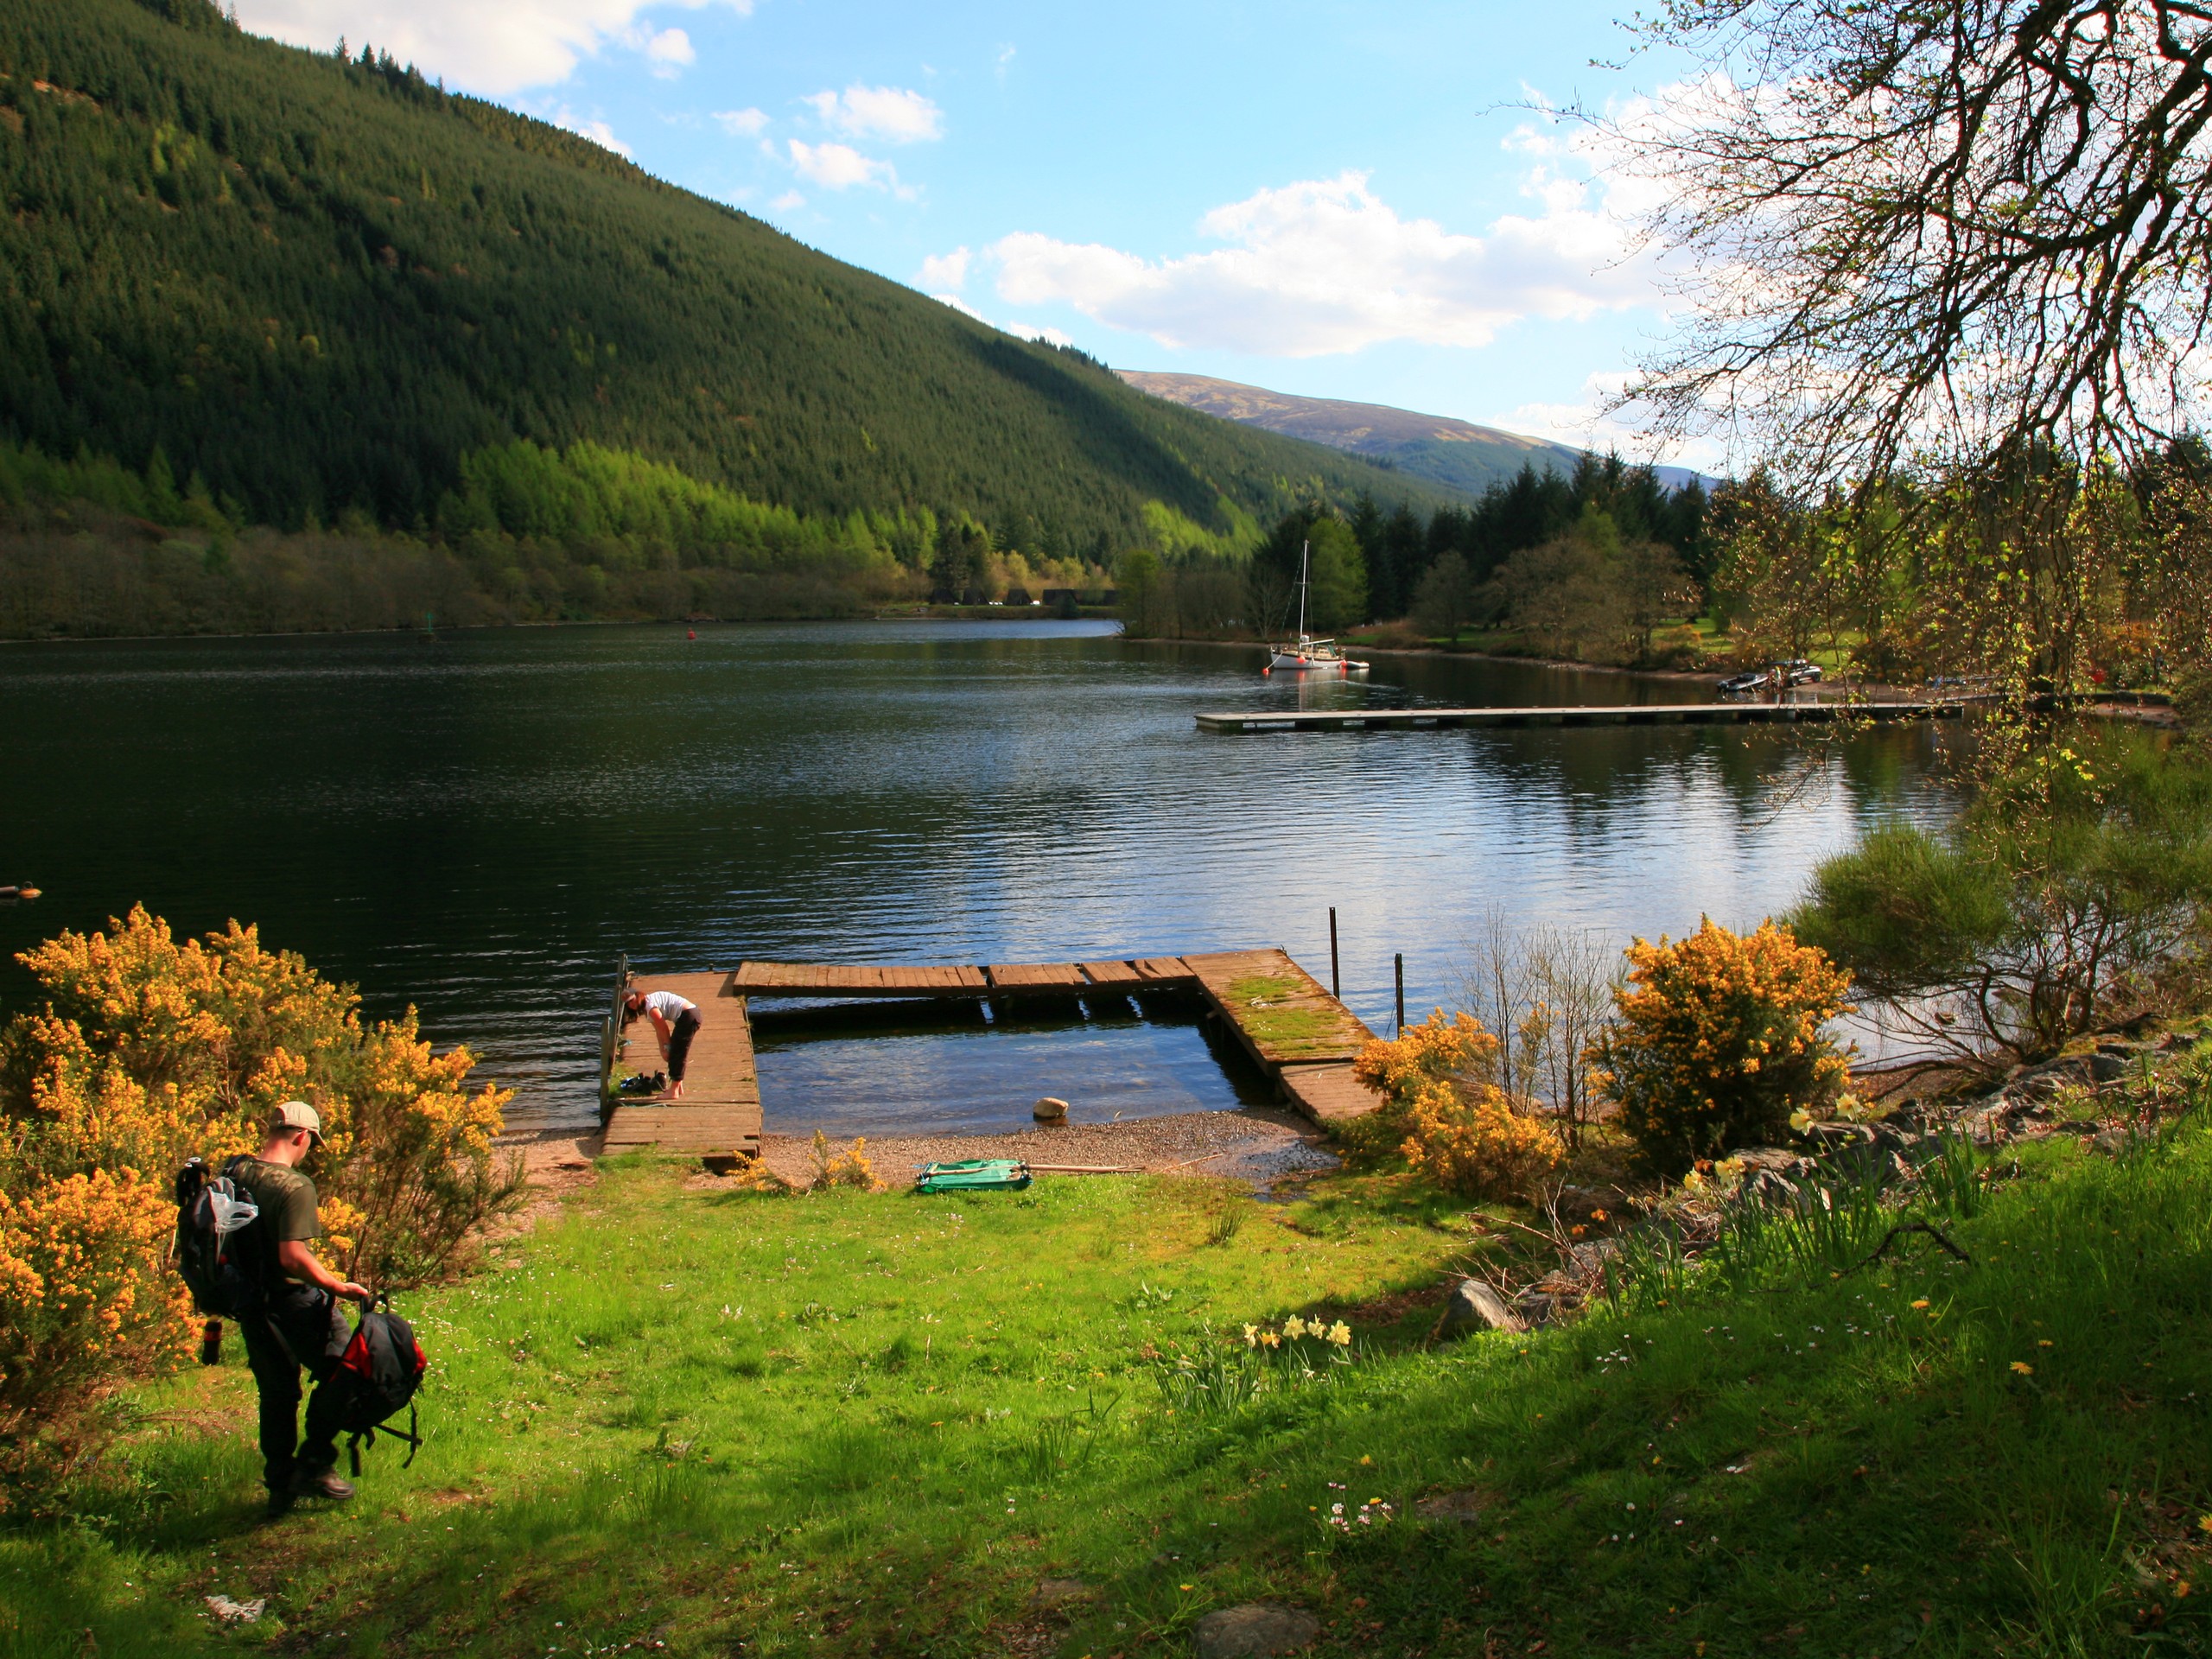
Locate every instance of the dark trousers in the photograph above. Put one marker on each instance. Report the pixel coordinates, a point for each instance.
(315, 1335)
(679, 1043)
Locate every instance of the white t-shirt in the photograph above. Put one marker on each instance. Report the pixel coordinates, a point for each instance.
(668, 1005)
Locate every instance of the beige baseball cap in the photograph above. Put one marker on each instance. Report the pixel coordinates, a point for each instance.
(297, 1114)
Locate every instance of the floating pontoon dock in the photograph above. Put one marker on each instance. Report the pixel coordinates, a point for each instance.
(1644, 714)
(1304, 1038)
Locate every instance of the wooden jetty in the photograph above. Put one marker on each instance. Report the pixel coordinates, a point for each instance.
(1645, 714)
(720, 1111)
(1304, 1038)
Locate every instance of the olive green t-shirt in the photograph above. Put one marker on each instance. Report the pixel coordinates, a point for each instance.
(286, 1200)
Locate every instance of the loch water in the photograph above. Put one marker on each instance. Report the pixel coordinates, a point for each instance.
(478, 822)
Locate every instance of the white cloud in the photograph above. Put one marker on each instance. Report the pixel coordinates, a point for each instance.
(1594, 424)
(1325, 265)
(1023, 330)
(741, 123)
(669, 51)
(488, 46)
(946, 269)
(598, 132)
(840, 167)
(895, 116)
(785, 202)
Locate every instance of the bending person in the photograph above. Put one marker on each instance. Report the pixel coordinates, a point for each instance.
(675, 1022)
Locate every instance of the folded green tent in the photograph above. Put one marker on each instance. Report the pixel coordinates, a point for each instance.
(974, 1175)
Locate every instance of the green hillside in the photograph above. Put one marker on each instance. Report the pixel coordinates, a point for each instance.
(317, 285)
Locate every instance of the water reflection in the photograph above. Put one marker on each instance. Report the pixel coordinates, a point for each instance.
(478, 823)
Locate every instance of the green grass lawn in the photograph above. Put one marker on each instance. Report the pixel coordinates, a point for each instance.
(875, 1424)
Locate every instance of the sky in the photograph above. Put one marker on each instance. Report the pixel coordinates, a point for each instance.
(1355, 200)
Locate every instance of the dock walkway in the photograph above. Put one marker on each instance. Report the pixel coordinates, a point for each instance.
(1303, 1038)
(1642, 713)
(721, 1108)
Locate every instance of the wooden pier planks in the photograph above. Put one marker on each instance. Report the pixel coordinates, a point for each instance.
(1280, 1012)
(1647, 714)
(1036, 976)
(1112, 974)
(840, 979)
(812, 979)
(721, 1108)
(1327, 1093)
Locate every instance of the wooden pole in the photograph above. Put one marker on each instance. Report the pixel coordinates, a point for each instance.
(1083, 1169)
(1402, 995)
(1336, 984)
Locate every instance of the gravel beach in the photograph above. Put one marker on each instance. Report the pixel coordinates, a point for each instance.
(1258, 1145)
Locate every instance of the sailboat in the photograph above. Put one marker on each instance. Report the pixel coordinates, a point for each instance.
(1309, 655)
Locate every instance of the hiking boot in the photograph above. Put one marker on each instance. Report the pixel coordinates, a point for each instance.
(321, 1483)
(280, 1502)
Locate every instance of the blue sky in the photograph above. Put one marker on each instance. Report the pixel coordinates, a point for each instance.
(1344, 201)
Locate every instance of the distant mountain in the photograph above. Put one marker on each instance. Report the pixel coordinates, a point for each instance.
(1457, 453)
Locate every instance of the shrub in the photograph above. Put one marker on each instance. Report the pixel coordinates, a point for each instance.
(1470, 1141)
(1718, 1039)
(147, 1049)
(1443, 1108)
(1435, 1051)
(2077, 880)
(848, 1168)
(420, 1170)
(85, 1297)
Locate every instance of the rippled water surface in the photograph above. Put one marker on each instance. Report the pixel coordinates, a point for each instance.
(480, 822)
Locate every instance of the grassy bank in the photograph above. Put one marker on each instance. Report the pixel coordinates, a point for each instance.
(875, 1423)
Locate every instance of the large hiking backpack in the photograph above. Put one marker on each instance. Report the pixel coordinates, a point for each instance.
(224, 1274)
(381, 1369)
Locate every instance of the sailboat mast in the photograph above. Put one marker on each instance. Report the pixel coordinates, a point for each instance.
(1305, 566)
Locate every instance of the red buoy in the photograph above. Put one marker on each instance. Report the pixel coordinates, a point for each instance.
(690, 633)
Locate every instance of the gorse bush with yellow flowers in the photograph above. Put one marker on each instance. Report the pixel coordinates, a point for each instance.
(83, 1300)
(1719, 1038)
(144, 1050)
(1444, 1110)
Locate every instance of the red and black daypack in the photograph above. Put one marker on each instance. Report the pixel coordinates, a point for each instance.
(378, 1373)
(225, 1274)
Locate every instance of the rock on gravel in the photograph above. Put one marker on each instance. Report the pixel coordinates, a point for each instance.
(1258, 1627)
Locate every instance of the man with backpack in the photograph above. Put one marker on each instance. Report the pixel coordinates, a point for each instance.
(300, 1325)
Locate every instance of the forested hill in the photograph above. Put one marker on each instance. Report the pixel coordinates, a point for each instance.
(318, 284)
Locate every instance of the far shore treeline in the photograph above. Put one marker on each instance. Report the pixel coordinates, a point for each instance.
(90, 547)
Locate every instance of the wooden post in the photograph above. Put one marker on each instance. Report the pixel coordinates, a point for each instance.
(1402, 995)
(1336, 984)
(610, 1035)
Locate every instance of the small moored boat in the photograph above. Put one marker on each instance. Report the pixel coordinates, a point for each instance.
(1308, 655)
